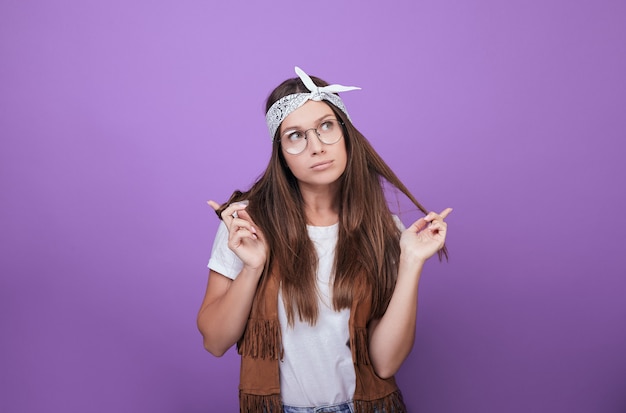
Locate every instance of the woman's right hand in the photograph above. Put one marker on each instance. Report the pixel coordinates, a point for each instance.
(244, 237)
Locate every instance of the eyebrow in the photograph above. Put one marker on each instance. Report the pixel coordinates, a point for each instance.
(317, 121)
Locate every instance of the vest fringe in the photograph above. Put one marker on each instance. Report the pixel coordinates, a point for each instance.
(252, 403)
(261, 340)
(390, 403)
(359, 344)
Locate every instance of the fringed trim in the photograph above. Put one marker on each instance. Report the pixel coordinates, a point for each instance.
(359, 345)
(261, 340)
(252, 403)
(391, 403)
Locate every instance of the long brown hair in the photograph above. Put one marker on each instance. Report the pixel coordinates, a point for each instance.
(368, 249)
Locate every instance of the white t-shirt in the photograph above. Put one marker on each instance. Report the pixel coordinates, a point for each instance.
(317, 367)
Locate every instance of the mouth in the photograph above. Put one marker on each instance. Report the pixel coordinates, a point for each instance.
(321, 165)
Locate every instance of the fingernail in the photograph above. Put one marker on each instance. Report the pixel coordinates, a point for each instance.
(244, 202)
(253, 230)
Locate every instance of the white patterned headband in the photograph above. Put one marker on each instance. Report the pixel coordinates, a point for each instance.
(287, 104)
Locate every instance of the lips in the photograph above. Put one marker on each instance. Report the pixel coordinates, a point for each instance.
(321, 165)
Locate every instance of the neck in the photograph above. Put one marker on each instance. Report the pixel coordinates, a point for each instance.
(321, 205)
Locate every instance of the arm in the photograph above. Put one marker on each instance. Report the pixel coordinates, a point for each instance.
(226, 306)
(225, 309)
(392, 336)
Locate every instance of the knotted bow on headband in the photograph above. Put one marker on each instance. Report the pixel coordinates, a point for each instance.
(287, 104)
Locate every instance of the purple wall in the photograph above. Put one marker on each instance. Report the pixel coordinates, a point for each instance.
(119, 119)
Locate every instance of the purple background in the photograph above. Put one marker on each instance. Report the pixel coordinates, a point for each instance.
(119, 119)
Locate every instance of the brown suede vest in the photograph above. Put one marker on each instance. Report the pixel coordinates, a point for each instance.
(260, 348)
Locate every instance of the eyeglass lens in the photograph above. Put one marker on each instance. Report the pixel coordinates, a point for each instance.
(295, 141)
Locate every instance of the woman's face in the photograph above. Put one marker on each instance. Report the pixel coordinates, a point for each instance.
(319, 164)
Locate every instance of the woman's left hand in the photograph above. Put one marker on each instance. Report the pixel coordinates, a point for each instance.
(425, 237)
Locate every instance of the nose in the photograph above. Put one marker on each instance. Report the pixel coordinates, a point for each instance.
(314, 142)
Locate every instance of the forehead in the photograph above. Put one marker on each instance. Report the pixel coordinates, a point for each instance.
(305, 115)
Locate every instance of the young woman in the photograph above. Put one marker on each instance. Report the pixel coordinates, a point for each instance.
(311, 274)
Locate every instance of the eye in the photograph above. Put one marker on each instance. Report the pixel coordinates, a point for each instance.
(326, 126)
(294, 136)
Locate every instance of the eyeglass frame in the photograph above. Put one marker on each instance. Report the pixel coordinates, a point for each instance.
(317, 134)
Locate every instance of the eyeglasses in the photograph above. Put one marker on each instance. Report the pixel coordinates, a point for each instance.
(295, 141)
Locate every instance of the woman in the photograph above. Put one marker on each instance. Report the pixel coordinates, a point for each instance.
(310, 274)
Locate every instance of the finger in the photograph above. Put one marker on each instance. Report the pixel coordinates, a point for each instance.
(231, 210)
(437, 227)
(418, 225)
(213, 204)
(445, 213)
(243, 232)
(431, 216)
(240, 236)
(238, 224)
(242, 213)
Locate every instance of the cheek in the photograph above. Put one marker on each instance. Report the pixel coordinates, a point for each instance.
(290, 163)
(293, 165)
(344, 154)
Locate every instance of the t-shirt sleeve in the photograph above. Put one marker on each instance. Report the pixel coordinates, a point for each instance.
(398, 222)
(223, 260)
